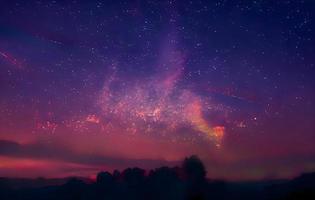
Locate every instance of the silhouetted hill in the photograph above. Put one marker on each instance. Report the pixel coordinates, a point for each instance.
(178, 183)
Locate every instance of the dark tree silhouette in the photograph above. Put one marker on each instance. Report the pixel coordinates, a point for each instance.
(194, 169)
(133, 176)
(164, 183)
(104, 178)
(195, 175)
(116, 175)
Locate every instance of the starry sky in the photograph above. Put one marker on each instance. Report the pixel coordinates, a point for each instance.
(103, 85)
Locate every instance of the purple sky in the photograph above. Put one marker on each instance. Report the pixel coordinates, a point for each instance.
(91, 85)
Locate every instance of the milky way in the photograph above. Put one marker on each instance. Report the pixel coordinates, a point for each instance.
(157, 103)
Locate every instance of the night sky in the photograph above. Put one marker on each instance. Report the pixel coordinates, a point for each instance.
(91, 85)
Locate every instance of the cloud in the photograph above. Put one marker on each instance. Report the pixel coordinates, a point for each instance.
(54, 152)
